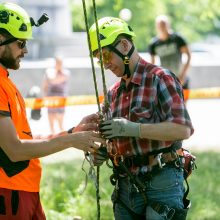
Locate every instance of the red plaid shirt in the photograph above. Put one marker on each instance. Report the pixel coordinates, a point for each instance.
(154, 95)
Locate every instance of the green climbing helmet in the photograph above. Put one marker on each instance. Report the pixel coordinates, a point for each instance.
(15, 20)
(109, 29)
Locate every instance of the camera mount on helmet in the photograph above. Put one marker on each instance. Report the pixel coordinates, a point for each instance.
(44, 18)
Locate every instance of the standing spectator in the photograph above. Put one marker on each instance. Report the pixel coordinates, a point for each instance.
(34, 92)
(20, 168)
(169, 47)
(56, 84)
(149, 121)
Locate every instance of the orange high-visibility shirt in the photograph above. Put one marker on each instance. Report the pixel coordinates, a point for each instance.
(12, 105)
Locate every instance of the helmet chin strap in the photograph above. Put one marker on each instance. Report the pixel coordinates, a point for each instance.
(8, 41)
(125, 58)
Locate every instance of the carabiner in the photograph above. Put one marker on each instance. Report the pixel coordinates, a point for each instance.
(126, 60)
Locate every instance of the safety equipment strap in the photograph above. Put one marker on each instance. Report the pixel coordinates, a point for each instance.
(8, 41)
(125, 58)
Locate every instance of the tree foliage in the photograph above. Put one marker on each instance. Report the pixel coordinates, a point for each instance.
(194, 19)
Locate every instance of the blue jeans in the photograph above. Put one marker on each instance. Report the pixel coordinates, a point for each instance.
(165, 187)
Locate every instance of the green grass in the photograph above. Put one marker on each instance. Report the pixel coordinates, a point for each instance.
(63, 183)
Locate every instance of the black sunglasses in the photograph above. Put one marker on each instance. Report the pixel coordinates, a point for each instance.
(21, 43)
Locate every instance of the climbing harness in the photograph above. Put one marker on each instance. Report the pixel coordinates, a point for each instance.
(173, 156)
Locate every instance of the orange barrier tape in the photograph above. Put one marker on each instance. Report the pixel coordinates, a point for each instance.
(56, 101)
(203, 93)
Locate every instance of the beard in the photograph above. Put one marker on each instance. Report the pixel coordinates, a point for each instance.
(8, 61)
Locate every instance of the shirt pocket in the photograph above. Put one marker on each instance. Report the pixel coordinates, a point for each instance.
(141, 114)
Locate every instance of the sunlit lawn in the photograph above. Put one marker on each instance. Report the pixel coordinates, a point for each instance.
(63, 183)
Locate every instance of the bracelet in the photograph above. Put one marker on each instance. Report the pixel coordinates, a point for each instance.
(70, 131)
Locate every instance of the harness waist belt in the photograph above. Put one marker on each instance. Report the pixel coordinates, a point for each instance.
(149, 160)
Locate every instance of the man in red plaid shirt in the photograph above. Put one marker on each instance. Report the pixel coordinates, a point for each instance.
(148, 122)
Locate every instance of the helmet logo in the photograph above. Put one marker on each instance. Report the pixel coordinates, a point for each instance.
(4, 17)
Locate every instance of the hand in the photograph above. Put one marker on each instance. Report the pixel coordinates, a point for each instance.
(100, 156)
(182, 79)
(88, 141)
(119, 127)
(88, 123)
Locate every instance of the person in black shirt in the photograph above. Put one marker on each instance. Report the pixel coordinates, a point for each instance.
(169, 47)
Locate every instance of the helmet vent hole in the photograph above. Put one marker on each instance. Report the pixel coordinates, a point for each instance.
(23, 27)
(130, 29)
(101, 37)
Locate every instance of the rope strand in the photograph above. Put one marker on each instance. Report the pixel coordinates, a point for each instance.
(91, 55)
(106, 103)
(101, 56)
(99, 108)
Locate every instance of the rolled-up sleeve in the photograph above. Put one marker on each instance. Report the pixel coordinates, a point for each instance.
(171, 102)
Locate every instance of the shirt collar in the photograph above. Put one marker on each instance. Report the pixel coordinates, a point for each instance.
(137, 76)
(3, 71)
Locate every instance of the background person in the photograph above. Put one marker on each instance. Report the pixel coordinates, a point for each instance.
(20, 169)
(55, 83)
(170, 48)
(35, 92)
(149, 122)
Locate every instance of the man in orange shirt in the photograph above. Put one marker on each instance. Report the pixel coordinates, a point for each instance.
(20, 169)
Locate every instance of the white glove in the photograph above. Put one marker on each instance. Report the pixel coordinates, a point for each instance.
(119, 127)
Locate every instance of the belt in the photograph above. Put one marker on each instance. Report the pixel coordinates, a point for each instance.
(145, 165)
(151, 160)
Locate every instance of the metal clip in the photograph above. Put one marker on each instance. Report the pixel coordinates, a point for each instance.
(158, 158)
(136, 188)
(126, 60)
